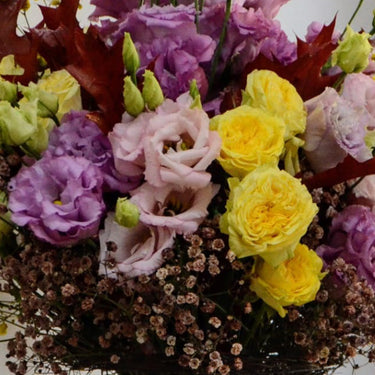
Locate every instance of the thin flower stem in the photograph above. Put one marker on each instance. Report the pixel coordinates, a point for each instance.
(353, 16)
(219, 47)
(197, 10)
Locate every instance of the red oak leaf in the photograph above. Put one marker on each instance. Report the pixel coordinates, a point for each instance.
(98, 68)
(24, 47)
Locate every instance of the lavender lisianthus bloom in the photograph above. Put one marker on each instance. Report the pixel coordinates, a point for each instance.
(58, 198)
(139, 250)
(166, 36)
(352, 237)
(78, 136)
(249, 33)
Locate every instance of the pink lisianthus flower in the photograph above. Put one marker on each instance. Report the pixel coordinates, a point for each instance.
(138, 250)
(270, 8)
(335, 128)
(172, 145)
(364, 192)
(181, 210)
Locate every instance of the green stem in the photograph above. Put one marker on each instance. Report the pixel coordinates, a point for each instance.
(219, 47)
(353, 16)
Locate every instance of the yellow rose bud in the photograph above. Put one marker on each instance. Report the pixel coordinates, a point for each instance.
(352, 53)
(66, 88)
(277, 96)
(151, 91)
(127, 213)
(133, 100)
(294, 282)
(130, 56)
(267, 214)
(250, 138)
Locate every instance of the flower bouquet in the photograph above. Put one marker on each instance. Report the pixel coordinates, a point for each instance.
(183, 189)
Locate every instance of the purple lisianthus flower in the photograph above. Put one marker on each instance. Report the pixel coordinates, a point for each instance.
(59, 199)
(139, 249)
(352, 237)
(167, 38)
(249, 32)
(335, 128)
(78, 136)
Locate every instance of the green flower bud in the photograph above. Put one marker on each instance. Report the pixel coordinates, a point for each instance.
(8, 91)
(352, 53)
(130, 55)
(195, 94)
(47, 102)
(16, 126)
(133, 100)
(126, 213)
(8, 67)
(152, 92)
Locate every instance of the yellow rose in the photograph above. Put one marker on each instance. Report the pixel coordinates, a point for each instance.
(277, 96)
(294, 282)
(67, 89)
(250, 138)
(267, 214)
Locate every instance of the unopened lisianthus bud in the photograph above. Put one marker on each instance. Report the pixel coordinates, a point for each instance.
(8, 91)
(152, 92)
(130, 55)
(353, 52)
(127, 213)
(133, 100)
(195, 94)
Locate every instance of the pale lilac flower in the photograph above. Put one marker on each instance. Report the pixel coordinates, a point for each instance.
(181, 210)
(172, 145)
(335, 128)
(78, 136)
(352, 237)
(59, 199)
(139, 249)
(359, 89)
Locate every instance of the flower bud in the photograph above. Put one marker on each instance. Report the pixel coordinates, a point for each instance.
(152, 92)
(47, 102)
(195, 94)
(133, 100)
(130, 55)
(353, 51)
(16, 126)
(8, 91)
(127, 213)
(8, 67)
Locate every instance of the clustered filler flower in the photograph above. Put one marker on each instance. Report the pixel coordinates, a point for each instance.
(183, 189)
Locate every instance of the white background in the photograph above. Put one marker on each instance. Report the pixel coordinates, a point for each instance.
(294, 17)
